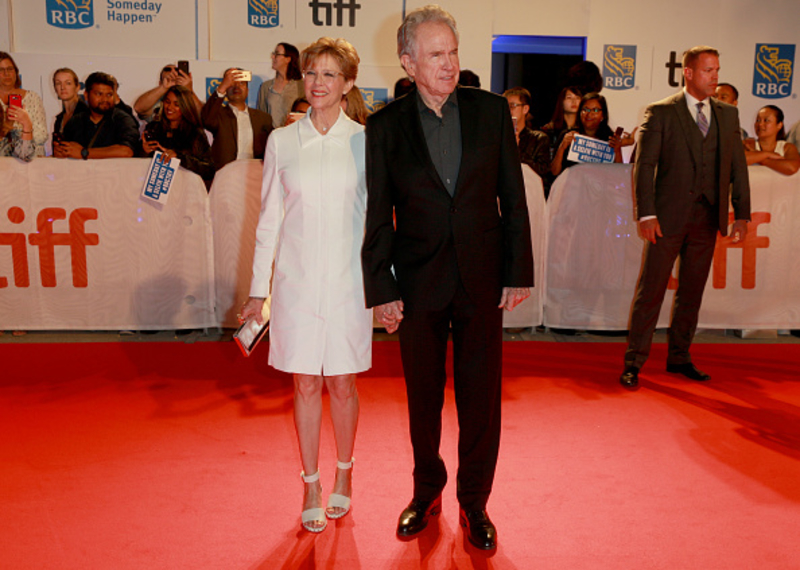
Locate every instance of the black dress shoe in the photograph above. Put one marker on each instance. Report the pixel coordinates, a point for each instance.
(416, 515)
(630, 377)
(688, 369)
(480, 529)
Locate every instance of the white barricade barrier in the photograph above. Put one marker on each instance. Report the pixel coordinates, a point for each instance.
(594, 255)
(80, 250)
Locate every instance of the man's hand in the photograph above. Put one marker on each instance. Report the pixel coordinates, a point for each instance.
(650, 229)
(390, 315)
(739, 231)
(67, 150)
(513, 296)
(184, 79)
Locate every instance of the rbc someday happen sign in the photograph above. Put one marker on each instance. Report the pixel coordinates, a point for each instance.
(587, 149)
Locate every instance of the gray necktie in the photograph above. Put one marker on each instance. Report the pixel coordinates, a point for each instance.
(702, 122)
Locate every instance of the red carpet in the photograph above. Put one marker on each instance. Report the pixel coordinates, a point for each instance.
(172, 456)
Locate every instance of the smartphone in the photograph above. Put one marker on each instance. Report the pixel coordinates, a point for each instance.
(149, 135)
(15, 100)
(244, 75)
(183, 66)
(618, 132)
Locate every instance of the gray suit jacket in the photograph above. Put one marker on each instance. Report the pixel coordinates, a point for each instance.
(668, 155)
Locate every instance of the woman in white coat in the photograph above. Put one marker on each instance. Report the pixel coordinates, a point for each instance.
(313, 207)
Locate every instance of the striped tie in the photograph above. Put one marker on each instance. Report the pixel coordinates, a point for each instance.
(702, 122)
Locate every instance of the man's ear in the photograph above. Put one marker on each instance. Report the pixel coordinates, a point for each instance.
(408, 65)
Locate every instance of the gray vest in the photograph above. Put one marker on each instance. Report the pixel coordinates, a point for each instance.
(707, 173)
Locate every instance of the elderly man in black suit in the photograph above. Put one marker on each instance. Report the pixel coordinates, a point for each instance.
(689, 167)
(439, 252)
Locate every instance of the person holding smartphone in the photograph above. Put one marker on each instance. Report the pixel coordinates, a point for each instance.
(16, 142)
(12, 94)
(148, 104)
(177, 133)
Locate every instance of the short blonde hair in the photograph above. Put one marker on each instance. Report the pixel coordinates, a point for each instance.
(339, 49)
(691, 56)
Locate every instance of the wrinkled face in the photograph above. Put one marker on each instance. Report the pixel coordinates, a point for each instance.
(8, 75)
(767, 124)
(100, 98)
(518, 111)
(65, 86)
(591, 115)
(435, 65)
(571, 102)
(726, 95)
(701, 79)
(170, 108)
(324, 83)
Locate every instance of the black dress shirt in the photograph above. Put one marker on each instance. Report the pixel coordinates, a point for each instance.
(443, 136)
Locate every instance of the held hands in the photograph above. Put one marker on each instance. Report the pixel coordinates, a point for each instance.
(255, 307)
(513, 296)
(390, 315)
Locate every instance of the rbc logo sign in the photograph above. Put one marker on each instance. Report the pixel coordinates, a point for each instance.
(262, 13)
(619, 67)
(211, 85)
(374, 99)
(772, 75)
(70, 14)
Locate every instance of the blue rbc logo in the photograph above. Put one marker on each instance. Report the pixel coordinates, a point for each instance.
(619, 67)
(772, 75)
(212, 83)
(70, 14)
(374, 99)
(263, 13)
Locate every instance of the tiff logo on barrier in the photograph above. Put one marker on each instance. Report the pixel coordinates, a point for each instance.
(749, 245)
(619, 67)
(772, 73)
(46, 239)
(70, 14)
(317, 6)
(263, 13)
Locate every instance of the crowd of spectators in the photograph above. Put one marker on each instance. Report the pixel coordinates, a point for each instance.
(97, 124)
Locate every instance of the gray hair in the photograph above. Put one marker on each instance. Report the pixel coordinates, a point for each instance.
(407, 32)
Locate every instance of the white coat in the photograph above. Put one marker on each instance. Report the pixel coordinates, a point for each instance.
(313, 208)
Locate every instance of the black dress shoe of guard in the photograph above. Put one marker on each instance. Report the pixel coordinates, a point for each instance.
(689, 370)
(480, 529)
(630, 378)
(415, 516)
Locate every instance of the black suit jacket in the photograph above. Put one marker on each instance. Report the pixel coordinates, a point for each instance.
(220, 120)
(480, 235)
(670, 148)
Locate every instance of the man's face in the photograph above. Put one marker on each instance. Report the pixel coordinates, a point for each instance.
(725, 94)
(238, 92)
(100, 98)
(435, 66)
(518, 111)
(702, 77)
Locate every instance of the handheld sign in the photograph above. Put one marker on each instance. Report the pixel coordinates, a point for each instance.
(587, 149)
(159, 178)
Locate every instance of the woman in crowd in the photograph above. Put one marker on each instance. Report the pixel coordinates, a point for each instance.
(770, 147)
(565, 117)
(277, 95)
(313, 210)
(16, 142)
(67, 86)
(592, 122)
(299, 108)
(354, 106)
(11, 83)
(177, 133)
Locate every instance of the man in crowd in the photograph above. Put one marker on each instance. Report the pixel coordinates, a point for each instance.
(149, 103)
(441, 160)
(240, 132)
(534, 146)
(104, 131)
(727, 93)
(688, 167)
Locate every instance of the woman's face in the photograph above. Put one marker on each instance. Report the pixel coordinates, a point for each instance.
(571, 102)
(324, 83)
(170, 108)
(8, 75)
(767, 125)
(591, 115)
(65, 85)
(280, 61)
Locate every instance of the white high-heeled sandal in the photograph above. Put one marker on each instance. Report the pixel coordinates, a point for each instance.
(317, 514)
(335, 500)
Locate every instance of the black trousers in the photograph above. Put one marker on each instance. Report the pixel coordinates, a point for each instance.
(477, 362)
(694, 246)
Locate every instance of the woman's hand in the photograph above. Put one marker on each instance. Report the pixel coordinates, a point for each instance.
(149, 146)
(749, 144)
(567, 140)
(627, 139)
(20, 115)
(255, 307)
